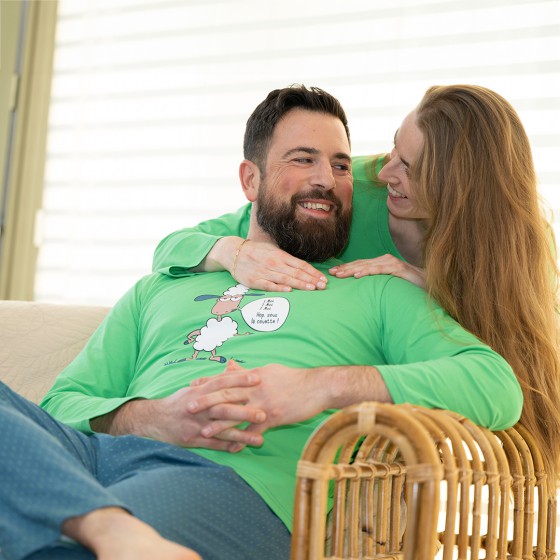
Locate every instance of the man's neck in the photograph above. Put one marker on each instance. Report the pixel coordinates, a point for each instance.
(256, 233)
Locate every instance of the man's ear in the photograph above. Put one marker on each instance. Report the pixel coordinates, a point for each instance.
(250, 178)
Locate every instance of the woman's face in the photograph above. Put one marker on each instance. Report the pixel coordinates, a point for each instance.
(402, 202)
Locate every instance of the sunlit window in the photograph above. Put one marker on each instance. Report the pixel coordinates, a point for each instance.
(150, 100)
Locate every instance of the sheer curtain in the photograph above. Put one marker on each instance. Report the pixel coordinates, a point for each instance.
(150, 99)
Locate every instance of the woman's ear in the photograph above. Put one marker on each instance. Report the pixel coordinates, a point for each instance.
(250, 178)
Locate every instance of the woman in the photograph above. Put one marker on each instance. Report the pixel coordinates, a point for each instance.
(462, 219)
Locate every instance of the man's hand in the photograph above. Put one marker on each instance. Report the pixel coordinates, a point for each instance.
(288, 395)
(173, 419)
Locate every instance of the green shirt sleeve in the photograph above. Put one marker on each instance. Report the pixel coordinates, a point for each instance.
(97, 381)
(184, 249)
(433, 362)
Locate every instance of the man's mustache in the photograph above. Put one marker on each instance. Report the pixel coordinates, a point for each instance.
(329, 196)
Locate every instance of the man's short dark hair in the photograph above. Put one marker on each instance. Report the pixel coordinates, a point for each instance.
(262, 122)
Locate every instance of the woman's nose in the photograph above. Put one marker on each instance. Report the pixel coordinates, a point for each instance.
(386, 170)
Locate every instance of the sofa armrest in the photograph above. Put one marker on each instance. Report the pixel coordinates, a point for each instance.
(38, 340)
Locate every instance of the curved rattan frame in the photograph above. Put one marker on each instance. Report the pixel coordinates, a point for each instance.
(384, 466)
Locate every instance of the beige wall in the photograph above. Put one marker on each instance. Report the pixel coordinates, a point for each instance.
(18, 253)
(10, 14)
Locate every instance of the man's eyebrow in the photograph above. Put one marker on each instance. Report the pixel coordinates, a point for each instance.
(343, 155)
(304, 149)
(406, 164)
(314, 152)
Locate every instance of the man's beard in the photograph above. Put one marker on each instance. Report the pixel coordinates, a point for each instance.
(309, 239)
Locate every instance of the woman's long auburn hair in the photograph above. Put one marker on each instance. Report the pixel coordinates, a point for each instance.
(489, 252)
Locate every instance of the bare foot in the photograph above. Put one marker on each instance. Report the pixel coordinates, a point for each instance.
(114, 534)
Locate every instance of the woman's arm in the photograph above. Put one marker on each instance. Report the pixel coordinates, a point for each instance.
(218, 244)
(182, 251)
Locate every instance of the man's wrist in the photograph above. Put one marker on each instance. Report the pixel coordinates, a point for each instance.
(347, 385)
(124, 420)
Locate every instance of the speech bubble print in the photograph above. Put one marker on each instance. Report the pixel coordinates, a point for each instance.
(266, 314)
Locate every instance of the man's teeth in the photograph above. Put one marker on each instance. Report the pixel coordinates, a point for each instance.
(393, 192)
(316, 206)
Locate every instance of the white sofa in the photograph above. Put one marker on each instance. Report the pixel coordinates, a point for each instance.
(37, 340)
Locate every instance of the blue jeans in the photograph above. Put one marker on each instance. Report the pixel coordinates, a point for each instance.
(50, 472)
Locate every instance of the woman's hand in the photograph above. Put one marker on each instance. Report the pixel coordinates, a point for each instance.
(263, 266)
(387, 264)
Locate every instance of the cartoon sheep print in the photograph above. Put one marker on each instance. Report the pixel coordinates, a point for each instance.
(217, 331)
(264, 314)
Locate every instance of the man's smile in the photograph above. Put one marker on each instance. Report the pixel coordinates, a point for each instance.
(319, 206)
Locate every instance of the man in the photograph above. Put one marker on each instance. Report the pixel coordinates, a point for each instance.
(155, 369)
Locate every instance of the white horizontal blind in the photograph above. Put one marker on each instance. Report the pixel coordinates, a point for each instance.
(150, 100)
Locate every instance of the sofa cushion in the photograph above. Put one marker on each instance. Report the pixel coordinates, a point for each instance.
(38, 340)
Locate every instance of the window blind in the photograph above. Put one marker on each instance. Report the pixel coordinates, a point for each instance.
(150, 98)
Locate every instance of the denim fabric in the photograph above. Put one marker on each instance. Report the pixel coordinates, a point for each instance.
(50, 472)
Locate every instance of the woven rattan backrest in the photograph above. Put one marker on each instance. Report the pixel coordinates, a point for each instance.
(381, 467)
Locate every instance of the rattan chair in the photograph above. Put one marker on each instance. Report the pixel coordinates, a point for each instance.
(383, 468)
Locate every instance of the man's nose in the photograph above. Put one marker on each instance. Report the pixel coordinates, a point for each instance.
(324, 176)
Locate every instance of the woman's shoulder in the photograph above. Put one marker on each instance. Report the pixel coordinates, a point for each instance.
(365, 169)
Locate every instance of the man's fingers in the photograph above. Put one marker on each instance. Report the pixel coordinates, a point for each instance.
(259, 428)
(218, 445)
(203, 402)
(236, 413)
(232, 365)
(231, 434)
(235, 447)
(221, 381)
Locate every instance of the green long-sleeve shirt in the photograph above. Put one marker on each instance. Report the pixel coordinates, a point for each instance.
(161, 334)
